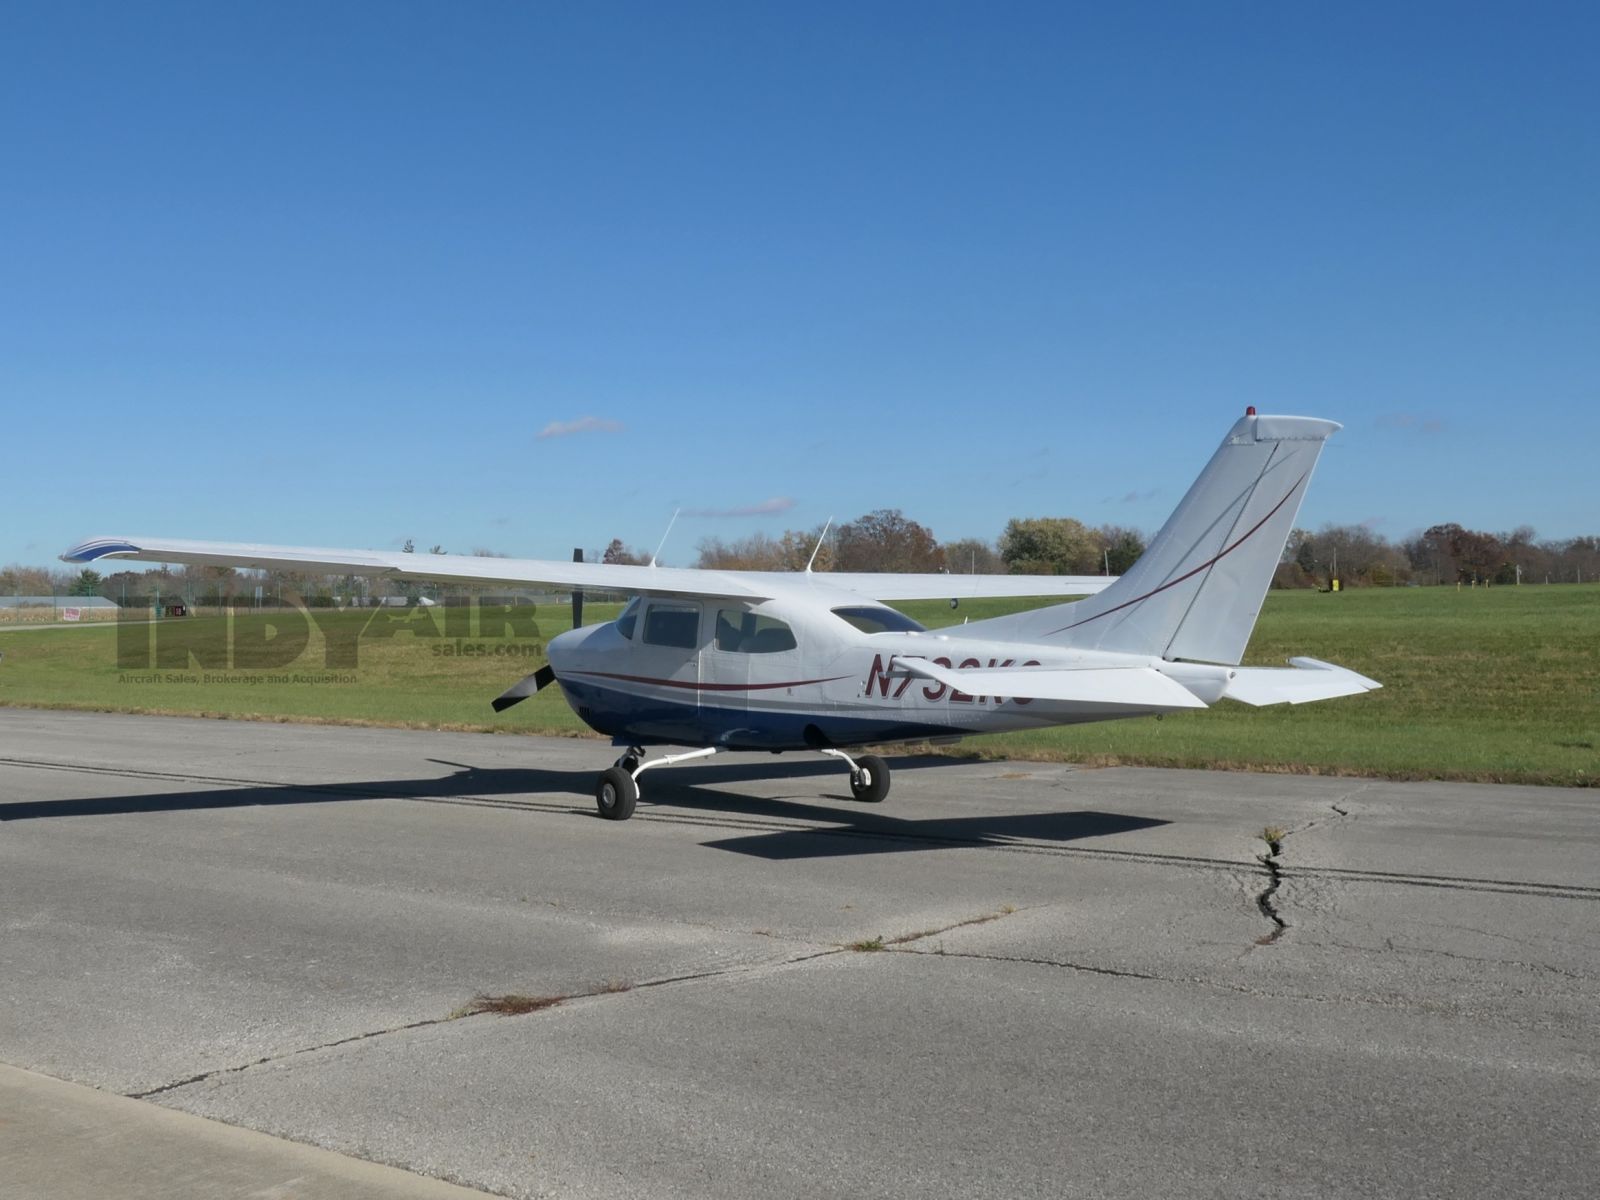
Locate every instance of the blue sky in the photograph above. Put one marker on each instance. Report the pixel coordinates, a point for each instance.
(323, 274)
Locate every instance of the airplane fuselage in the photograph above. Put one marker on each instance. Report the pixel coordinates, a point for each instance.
(790, 674)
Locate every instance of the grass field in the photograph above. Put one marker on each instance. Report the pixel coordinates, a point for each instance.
(1498, 684)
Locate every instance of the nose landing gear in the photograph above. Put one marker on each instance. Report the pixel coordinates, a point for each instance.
(869, 776)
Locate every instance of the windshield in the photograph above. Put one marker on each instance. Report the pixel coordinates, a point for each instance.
(874, 618)
(629, 618)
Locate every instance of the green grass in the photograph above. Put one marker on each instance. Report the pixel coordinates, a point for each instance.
(1499, 684)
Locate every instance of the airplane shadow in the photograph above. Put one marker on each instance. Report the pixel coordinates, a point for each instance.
(843, 826)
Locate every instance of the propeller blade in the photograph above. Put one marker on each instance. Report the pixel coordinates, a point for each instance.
(577, 594)
(524, 687)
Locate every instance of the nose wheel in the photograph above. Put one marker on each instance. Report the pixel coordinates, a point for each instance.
(616, 794)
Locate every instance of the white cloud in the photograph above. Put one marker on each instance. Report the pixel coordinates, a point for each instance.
(582, 425)
(1413, 422)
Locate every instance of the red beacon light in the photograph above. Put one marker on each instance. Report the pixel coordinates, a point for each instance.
(1250, 410)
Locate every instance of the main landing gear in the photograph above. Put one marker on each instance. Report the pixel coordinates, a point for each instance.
(617, 792)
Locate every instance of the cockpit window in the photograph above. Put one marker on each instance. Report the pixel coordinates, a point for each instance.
(628, 619)
(750, 633)
(874, 618)
(668, 624)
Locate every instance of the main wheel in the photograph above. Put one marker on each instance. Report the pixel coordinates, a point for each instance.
(870, 781)
(616, 794)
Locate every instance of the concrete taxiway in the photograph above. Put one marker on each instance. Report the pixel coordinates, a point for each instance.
(1010, 979)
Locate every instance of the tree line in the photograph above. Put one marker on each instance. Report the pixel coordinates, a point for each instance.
(888, 540)
(1441, 554)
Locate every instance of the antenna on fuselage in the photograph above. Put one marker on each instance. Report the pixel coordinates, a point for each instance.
(664, 536)
(820, 539)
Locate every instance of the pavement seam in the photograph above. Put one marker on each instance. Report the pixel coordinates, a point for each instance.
(1389, 947)
(593, 993)
(466, 1015)
(1114, 972)
(271, 1058)
(1216, 985)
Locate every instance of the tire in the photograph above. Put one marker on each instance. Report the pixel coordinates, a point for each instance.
(616, 794)
(870, 783)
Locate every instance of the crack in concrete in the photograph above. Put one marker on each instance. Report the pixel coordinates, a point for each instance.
(1272, 863)
(1264, 898)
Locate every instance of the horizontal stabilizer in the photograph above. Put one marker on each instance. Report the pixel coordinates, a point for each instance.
(1304, 680)
(1121, 687)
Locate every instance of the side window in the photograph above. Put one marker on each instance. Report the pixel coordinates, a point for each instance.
(749, 633)
(672, 625)
(628, 619)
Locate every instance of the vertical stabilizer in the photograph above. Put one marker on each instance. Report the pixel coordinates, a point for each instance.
(1196, 592)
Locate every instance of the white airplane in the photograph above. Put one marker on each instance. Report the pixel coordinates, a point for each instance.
(781, 661)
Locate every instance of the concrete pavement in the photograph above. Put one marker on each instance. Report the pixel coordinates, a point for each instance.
(1096, 983)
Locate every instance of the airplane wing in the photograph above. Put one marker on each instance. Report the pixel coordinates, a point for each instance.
(1302, 681)
(437, 568)
(1137, 687)
(608, 577)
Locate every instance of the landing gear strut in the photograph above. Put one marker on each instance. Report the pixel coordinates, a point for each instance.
(617, 792)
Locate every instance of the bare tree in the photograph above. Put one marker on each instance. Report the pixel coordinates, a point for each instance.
(973, 556)
(756, 552)
(803, 547)
(887, 540)
(616, 552)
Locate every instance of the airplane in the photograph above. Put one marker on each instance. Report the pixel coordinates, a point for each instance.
(721, 661)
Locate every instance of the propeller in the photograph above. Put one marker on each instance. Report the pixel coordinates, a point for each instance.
(529, 685)
(524, 687)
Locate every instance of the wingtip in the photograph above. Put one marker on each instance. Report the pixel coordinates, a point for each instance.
(96, 548)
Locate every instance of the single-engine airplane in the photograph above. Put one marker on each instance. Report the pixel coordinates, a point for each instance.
(794, 661)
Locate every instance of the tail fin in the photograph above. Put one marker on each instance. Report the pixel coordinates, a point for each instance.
(1195, 593)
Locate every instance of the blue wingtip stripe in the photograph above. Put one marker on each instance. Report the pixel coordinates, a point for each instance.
(89, 551)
